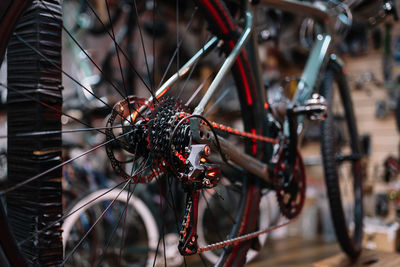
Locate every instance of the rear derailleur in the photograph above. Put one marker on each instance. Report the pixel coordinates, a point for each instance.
(199, 175)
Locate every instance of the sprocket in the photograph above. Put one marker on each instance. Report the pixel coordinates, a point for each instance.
(290, 185)
(141, 134)
(163, 120)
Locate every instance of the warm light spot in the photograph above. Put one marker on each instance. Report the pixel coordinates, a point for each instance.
(43, 152)
(55, 179)
(162, 93)
(134, 115)
(180, 157)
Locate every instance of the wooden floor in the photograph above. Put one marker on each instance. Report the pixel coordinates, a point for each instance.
(299, 252)
(367, 258)
(294, 251)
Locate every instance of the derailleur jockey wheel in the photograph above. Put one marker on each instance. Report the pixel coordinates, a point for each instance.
(289, 184)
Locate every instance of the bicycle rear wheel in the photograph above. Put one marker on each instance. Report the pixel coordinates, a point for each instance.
(34, 194)
(342, 158)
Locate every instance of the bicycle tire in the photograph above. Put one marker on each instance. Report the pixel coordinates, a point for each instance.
(44, 15)
(31, 207)
(332, 144)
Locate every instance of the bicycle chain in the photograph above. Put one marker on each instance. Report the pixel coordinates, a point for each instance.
(243, 134)
(244, 237)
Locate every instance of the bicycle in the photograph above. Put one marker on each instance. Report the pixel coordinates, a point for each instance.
(168, 142)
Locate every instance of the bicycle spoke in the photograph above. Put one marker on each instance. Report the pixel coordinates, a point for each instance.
(4, 192)
(76, 210)
(177, 48)
(105, 248)
(203, 261)
(157, 249)
(46, 105)
(175, 210)
(126, 206)
(216, 103)
(215, 218)
(94, 224)
(177, 34)
(128, 182)
(190, 75)
(121, 50)
(69, 76)
(142, 41)
(201, 86)
(123, 214)
(84, 51)
(60, 69)
(116, 50)
(61, 131)
(68, 215)
(154, 47)
(162, 232)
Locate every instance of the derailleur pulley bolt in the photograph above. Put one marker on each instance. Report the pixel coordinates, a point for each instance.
(206, 182)
(207, 151)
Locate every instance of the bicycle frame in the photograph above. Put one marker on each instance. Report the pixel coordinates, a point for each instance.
(304, 90)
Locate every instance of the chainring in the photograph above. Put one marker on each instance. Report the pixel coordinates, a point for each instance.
(290, 187)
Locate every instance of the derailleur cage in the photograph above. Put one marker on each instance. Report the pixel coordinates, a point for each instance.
(200, 175)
